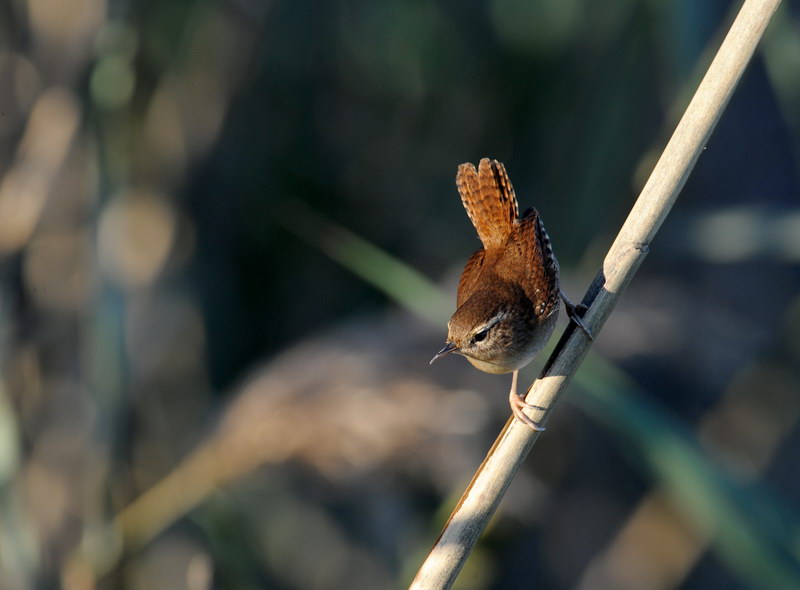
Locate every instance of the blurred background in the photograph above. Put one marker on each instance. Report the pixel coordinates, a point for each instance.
(229, 246)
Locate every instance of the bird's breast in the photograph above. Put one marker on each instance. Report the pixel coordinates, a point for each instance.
(488, 367)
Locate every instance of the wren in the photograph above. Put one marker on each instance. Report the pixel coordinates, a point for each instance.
(509, 295)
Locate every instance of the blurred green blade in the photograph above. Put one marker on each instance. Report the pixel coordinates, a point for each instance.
(397, 280)
(754, 533)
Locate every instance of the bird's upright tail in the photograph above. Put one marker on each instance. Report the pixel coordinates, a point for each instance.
(489, 199)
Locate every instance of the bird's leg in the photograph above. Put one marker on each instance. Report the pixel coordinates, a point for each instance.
(517, 403)
(575, 312)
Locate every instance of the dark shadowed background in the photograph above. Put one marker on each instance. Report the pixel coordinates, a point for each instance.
(229, 244)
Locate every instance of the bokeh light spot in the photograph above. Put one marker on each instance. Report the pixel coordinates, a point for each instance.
(136, 234)
(112, 82)
(537, 27)
(728, 236)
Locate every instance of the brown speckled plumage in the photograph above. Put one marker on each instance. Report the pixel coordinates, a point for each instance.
(508, 295)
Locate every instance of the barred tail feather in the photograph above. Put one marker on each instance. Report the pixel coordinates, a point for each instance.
(489, 199)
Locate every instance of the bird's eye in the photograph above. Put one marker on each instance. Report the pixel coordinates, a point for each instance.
(480, 336)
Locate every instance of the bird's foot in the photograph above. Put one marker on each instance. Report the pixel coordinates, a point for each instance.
(518, 403)
(575, 314)
(516, 406)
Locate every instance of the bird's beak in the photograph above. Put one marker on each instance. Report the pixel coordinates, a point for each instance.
(448, 348)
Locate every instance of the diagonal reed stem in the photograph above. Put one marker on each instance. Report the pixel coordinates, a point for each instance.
(483, 495)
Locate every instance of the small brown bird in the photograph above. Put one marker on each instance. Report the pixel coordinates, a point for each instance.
(508, 295)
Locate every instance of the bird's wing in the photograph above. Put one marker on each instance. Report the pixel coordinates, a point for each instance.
(470, 277)
(529, 260)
